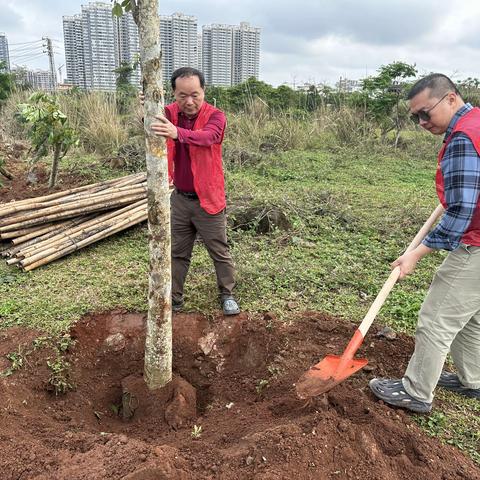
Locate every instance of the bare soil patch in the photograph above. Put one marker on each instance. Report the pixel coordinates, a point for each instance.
(252, 424)
(19, 188)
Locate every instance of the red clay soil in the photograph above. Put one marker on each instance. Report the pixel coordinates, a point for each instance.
(18, 188)
(252, 424)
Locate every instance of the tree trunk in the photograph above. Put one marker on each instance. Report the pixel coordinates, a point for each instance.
(158, 346)
(56, 159)
(397, 138)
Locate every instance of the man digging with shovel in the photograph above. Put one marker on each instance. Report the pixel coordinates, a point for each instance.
(449, 319)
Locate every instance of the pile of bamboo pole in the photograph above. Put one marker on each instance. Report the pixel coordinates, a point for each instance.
(43, 229)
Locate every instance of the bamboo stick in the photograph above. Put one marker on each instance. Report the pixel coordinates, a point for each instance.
(72, 198)
(106, 183)
(72, 213)
(65, 207)
(82, 229)
(18, 233)
(39, 230)
(13, 261)
(19, 247)
(99, 236)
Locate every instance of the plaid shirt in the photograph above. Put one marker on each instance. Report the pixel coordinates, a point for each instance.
(461, 174)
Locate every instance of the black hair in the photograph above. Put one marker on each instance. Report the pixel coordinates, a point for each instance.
(184, 72)
(439, 84)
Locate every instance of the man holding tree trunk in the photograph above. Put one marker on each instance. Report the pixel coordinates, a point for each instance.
(194, 131)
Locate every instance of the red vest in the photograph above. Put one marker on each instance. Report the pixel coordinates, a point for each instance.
(206, 162)
(469, 124)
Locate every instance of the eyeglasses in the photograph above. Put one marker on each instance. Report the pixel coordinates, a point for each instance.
(425, 114)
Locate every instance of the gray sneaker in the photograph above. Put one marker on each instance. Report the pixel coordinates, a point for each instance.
(391, 391)
(230, 306)
(450, 381)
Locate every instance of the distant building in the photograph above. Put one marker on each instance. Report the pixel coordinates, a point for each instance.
(348, 86)
(74, 59)
(4, 55)
(217, 53)
(230, 53)
(179, 42)
(96, 43)
(36, 79)
(200, 52)
(127, 46)
(246, 52)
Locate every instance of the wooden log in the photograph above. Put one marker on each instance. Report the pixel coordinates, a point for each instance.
(94, 238)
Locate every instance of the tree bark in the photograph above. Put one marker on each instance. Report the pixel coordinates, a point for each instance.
(56, 159)
(158, 346)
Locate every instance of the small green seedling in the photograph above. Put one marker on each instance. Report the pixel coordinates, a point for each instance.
(60, 376)
(261, 386)
(196, 431)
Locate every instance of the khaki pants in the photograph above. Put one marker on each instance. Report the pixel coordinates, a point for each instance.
(188, 218)
(449, 320)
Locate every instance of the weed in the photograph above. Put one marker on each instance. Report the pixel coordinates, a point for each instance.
(115, 408)
(261, 386)
(40, 342)
(196, 431)
(59, 378)
(17, 360)
(65, 342)
(274, 370)
(433, 424)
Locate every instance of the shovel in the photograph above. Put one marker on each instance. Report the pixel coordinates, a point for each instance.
(333, 369)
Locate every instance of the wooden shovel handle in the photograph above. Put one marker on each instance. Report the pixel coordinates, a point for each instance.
(392, 279)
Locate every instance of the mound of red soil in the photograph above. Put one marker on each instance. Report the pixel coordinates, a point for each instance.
(252, 424)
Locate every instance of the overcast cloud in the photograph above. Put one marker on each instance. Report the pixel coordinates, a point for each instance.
(303, 40)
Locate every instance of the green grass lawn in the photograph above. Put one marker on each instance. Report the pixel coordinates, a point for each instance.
(353, 211)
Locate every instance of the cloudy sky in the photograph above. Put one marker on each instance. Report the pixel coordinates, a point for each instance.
(303, 40)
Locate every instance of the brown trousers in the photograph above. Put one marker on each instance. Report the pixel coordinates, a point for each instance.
(188, 218)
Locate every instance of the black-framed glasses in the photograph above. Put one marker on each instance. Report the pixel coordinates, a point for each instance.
(425, 114)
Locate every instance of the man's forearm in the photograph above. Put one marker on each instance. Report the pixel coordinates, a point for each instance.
(421, 251)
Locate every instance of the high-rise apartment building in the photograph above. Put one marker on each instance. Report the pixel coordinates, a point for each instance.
(246, 52)
(98, 46)
(96, 43)
(217, 51)
(179, 42)
(127, 45)
(200, 52)
(4, 55)
(36, 79)
(74, 60)
(230, 53)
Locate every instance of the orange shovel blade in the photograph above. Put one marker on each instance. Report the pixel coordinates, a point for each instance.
(326, 374)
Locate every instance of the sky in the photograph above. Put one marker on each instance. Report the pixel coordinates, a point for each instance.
(314, 41)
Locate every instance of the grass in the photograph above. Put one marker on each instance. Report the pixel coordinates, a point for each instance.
(352, 210)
